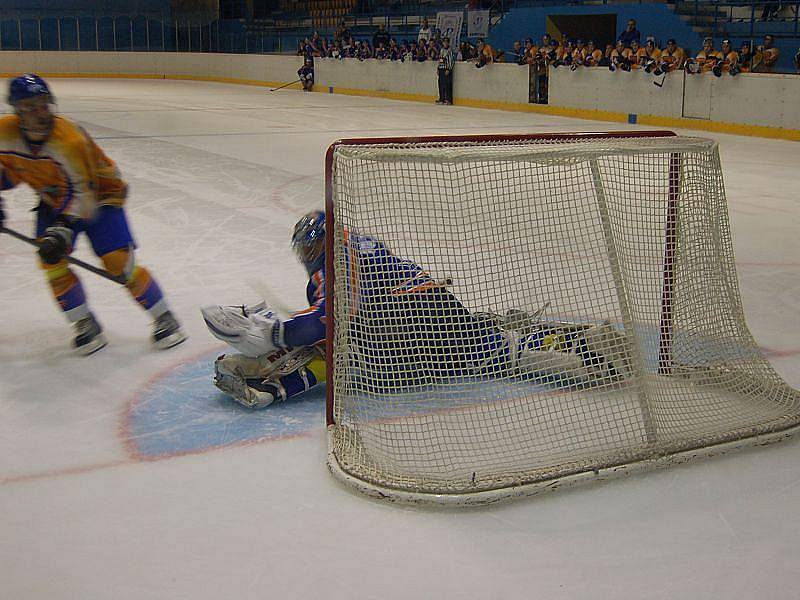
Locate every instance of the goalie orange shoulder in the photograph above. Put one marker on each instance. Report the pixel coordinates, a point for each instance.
(69, 171)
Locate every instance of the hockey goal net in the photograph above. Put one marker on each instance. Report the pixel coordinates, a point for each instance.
(559, 308)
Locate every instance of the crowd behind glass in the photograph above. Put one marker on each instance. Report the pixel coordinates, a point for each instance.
(628, 54)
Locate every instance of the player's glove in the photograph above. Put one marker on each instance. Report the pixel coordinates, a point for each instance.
(56, 243)
(253, 331)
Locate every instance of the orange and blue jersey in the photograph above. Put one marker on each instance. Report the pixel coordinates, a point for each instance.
(372, 271)
(307, 327)
(70, 173)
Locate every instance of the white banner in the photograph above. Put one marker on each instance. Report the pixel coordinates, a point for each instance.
(477, 23)
(449, 26)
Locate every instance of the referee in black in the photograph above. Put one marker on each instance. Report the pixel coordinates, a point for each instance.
(447, 61)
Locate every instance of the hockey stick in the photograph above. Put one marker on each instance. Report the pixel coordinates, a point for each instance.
(75, 261)
(272, 300)
(280, 87)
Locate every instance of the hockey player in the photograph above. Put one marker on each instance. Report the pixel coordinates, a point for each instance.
(672, 58)
(402, 320)
(80, 191)
(306, 73)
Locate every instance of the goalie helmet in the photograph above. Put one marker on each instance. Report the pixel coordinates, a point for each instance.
(308, 240)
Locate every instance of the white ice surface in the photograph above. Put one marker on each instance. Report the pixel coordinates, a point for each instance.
(218, 174)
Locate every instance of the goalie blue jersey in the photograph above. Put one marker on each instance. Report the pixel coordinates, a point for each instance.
(372, 271)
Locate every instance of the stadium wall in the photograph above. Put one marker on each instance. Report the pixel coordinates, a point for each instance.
(749, 104)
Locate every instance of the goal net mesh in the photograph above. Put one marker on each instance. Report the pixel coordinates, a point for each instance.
(477, 371)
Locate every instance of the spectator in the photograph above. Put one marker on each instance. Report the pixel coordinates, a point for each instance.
(705, 59)
(433, 50)
(672, 58)
(422, 51)
(467, 51)
(729, 62)
(630, 34)
(578, 54)
(594, 56)
(447, 59)
(395, 53)
(518, 52)
(485, 54)
(554, 52)
(425, 32)
(412, 51)
(350, 50)
(650, 55)
(746, 58)
(301, 47)
(381, 37)
(620, 57)
(531, 52)
(315, 45)
(563, 54)
(796, 60)
(342, 32)
(635, 56)
(769, 56)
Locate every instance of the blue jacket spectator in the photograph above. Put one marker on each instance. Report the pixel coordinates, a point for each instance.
(630, 34)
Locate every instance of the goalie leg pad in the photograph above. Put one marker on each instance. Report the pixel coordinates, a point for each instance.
(579, 353)
(606, 352)
(258, 382)
(251, 393)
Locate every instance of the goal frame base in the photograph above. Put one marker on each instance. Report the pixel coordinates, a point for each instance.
(536, 488)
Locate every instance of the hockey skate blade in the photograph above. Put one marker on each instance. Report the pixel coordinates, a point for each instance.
(98, 343)
(171, 340)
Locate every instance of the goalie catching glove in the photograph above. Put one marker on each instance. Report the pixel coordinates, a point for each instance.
(252, 330)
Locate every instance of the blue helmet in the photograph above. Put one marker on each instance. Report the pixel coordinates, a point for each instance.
(308, 240)
(25, 86)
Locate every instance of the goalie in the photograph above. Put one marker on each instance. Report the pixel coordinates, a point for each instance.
(402, 320)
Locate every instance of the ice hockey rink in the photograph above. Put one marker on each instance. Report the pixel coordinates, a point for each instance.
(126, 475)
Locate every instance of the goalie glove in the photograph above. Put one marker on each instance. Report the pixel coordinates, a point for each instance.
(251, 332)
(56, 243)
